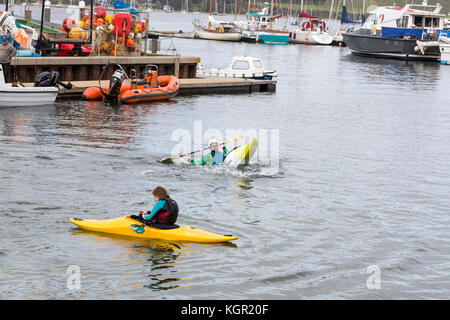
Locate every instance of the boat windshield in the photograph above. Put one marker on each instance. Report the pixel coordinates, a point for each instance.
(241, 65)
(370, 20)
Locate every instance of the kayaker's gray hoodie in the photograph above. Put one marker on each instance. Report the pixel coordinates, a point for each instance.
(6, 52)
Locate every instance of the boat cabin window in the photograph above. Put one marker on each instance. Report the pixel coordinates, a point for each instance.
(436, 22)
(418, 21)
(428, 22)
(258, 64)
(241, 65)
(404, 23)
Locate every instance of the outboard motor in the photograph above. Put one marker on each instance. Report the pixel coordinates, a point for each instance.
(114, 86)
(50, 79)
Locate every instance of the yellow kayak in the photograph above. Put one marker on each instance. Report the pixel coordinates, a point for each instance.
(242, 154)
(126, 226)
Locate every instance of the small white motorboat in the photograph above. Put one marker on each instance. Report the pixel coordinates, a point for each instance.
(43, 93)
(241, 67)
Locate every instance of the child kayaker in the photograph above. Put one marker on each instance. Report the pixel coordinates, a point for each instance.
(214, 157)
(164, 212)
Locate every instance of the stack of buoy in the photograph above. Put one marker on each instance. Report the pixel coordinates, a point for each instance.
(114, 34)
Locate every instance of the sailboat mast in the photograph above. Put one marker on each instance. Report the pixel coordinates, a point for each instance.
(235, 9)
(248, 9)
(210, 8)
(271, 12)
(331, 9)
(363, 9)
(301, 6)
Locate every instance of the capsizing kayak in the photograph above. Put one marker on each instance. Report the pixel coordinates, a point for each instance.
(126, 226)
(241, 155)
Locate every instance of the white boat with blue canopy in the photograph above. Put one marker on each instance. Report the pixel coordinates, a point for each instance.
(407, 33)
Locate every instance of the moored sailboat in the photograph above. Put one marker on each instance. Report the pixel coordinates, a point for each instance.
(312, 30)
(217, 30)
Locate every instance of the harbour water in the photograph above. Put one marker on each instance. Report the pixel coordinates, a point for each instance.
(361, 190)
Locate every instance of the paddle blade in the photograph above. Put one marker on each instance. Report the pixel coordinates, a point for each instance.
(166, 160)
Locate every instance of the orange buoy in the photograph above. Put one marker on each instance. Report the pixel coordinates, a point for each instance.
(92, 93)
(129, 42)
(100, 11)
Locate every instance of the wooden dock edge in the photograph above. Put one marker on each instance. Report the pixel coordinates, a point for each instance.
(192, 86)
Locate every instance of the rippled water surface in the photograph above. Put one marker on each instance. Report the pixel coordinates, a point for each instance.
(363, 180)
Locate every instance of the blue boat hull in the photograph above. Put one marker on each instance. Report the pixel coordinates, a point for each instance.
(271, 38)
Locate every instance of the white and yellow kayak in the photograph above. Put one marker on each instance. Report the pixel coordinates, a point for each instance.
(241, 155)
(126, 226)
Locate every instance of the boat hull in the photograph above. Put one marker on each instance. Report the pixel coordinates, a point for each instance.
(392, 48)
(242, 154)
(273, 38)
(248, 38)
(126, 226)
(232, 36)
(310, 37)
(168, 88)
(27, 96)
(445, 53)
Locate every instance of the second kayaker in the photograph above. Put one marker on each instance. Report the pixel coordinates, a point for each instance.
(164, 212)
(214, 157)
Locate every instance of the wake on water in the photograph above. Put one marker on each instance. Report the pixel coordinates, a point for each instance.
(251, 170)
(180, 167)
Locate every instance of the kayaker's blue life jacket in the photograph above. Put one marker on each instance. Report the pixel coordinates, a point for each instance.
(165, 211)
(217, 157)
(213, 158)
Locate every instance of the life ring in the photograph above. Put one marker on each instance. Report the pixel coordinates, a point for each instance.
(221, 30)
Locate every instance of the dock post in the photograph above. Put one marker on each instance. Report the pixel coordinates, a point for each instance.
(27, 13)
(177, 65)
(145, 33)
(154, 45)
(47, 13)
(155, 38)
